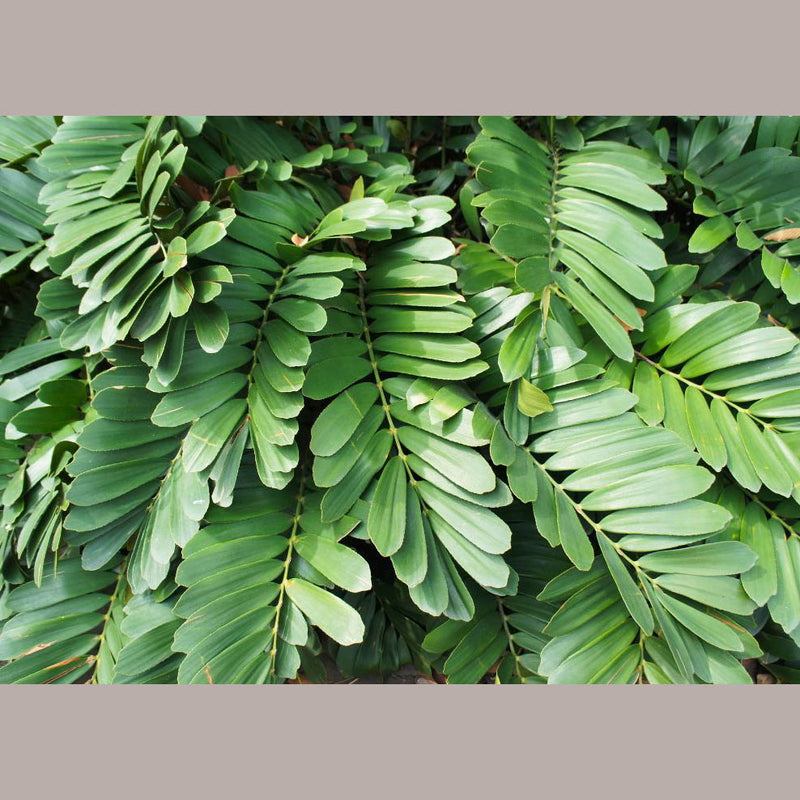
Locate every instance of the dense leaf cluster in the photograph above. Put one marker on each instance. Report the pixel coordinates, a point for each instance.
(506, 399)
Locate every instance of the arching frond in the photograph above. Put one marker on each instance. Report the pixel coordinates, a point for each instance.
(496, 400)
(414, 481)
(257, 577)
(579, 221)
(52, 636)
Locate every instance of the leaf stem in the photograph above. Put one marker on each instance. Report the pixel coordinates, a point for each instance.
(771, 513)
(379, 382)
(260, 335)
(700, 387)
(640, 573)
(512, 649)
(298, 509)
(117, 586)
(551, 221)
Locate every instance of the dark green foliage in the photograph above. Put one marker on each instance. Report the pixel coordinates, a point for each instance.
(506, 400)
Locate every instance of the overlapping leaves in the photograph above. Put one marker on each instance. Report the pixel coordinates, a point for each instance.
(263, 406)
(579, 221)
(411, 474)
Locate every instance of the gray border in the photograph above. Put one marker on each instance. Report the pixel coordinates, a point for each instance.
(414, 56)
(395, 741)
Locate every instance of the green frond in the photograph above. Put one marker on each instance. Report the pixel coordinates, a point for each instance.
(492, 399)
(143, 633)
(122, 466)
(22, 218)
(579, 222)
(397, 468)
(52, 636)
(247, 621)
(598, 477)
(122, 236)
(722, 378)
(393, 634)
(506, 636)
(22, 137)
